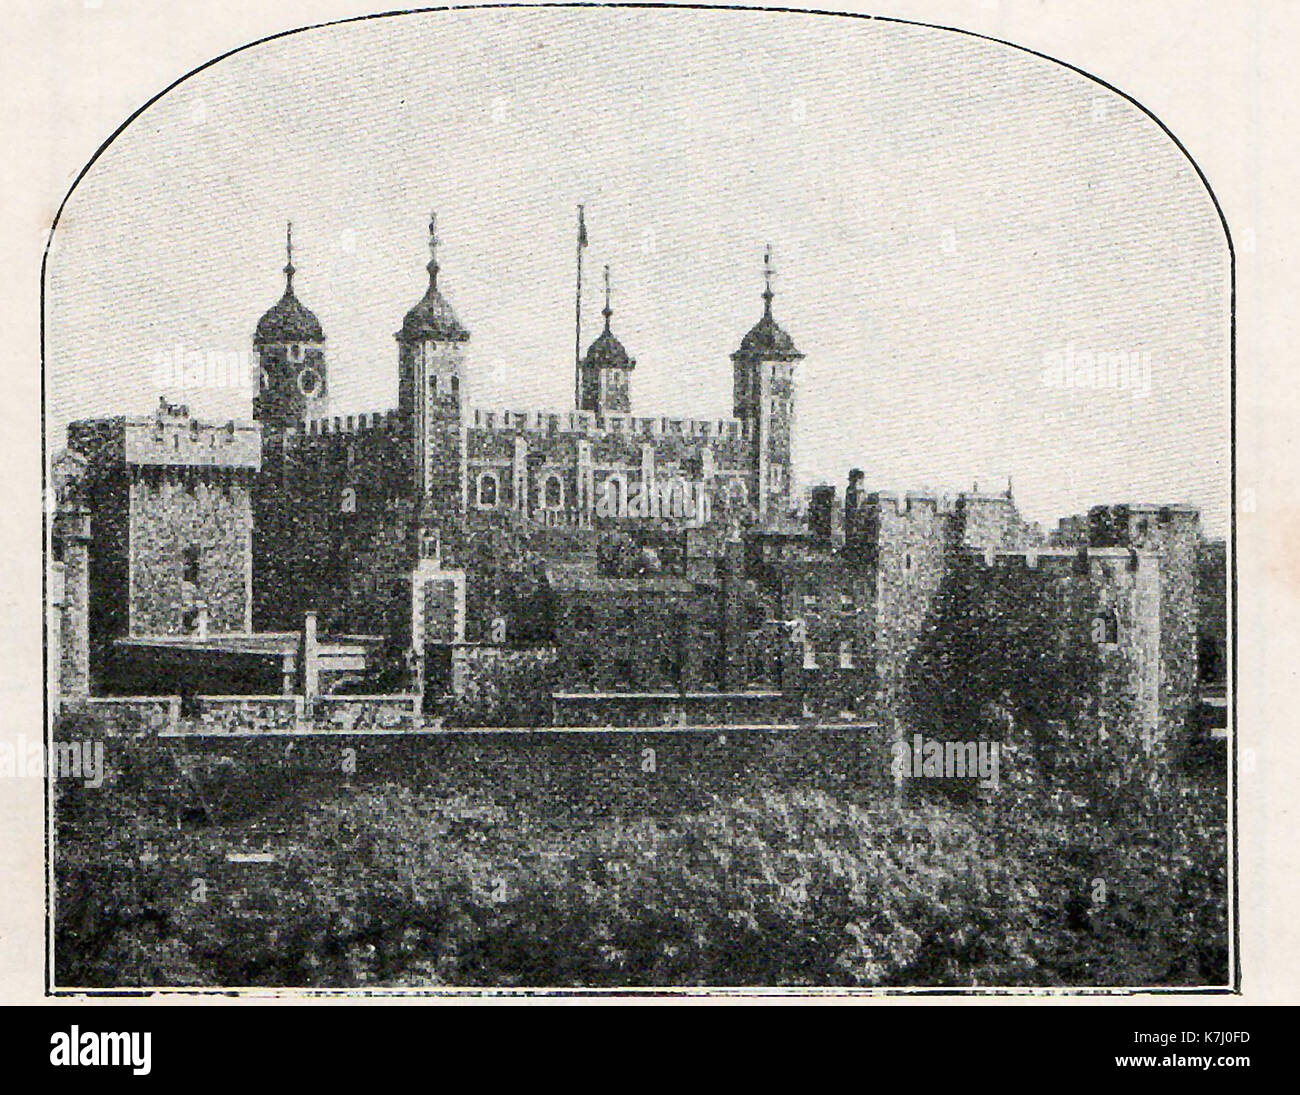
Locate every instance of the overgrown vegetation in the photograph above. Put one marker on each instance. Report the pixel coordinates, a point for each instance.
(389, 886)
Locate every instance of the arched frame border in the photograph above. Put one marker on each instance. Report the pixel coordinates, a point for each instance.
(1234, 918)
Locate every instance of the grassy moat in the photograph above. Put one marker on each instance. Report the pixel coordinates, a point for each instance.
(208, 869)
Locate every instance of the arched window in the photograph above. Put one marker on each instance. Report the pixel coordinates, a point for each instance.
(487, 490)
(554, 492)
(429, 544)
(190, 565)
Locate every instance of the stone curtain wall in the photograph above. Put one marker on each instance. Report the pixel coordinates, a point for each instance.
(1172, 532)
(680, 449)
(835, 606)
(574, 777)
(172, 512)
(353, 714)
(117, 716)
(910, 540)
(638, 636)
(682, 709)
(333, 533)
(505, 569)
(106, 494)
(497, 686)
(249, 716)
(241, 715)
(1009, 653)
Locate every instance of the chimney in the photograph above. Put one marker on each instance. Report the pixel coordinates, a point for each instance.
(821, 511)
(854, 531)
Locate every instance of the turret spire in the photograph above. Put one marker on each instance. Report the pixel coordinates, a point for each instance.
(288, 320)
(432, 319)
(603, 372)
(766, 341)
(767, 281)
(289, 268)
(433, 250)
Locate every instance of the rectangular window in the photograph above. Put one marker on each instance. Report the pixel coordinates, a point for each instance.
(190, 565)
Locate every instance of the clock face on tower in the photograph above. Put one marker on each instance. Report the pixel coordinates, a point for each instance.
(309, 381)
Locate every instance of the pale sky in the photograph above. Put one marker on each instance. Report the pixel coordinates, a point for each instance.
(944, 213)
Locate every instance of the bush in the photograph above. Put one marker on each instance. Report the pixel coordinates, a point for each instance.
(393, 886)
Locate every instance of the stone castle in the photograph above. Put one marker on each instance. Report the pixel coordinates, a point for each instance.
(596, 566)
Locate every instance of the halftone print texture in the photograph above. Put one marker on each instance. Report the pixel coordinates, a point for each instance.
(561, 499)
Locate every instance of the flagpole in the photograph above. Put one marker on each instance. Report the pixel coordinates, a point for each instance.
(577, 316)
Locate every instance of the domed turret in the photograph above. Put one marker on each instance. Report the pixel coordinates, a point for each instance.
(605, 369)
(607, 352)
(766, 341)
(764, 397)
(289, 343)
(288, 319)
(432, 319)
(431, 393)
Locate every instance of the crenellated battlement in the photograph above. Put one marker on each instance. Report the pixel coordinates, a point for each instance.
(1137, 524)
(1059, 560)
(904, 502)
(591, 423)
(911, 502)
(347, 424)
(172, 438)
